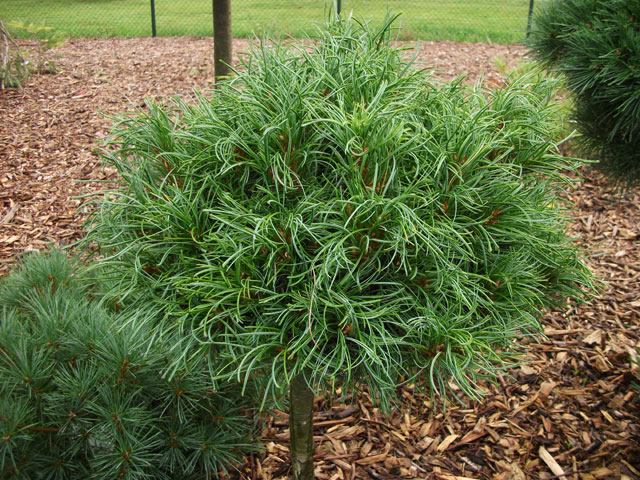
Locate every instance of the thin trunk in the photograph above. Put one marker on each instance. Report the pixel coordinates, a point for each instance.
(222, 39)
(4, 68)
(301, 428)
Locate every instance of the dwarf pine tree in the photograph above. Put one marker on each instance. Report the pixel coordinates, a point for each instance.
(331, 216)
(595, 45)
(83, 392)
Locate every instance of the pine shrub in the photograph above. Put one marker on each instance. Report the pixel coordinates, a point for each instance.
(84, 395)
(331, 212)
(595, 44)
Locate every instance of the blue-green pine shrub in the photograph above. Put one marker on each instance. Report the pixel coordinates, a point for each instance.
(84, 392)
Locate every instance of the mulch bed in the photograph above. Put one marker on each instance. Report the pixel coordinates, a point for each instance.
(569, 412)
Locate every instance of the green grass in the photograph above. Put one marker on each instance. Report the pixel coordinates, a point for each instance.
(502, 21)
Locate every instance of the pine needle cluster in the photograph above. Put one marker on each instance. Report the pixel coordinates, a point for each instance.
(333, 212)
(83, 393)
(595, 44)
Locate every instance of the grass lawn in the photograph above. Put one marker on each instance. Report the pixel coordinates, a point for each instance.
(502, 21)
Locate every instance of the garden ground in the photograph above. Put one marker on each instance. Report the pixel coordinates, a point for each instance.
(570, 412)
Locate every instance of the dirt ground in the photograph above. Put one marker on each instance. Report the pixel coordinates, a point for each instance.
(570, 412)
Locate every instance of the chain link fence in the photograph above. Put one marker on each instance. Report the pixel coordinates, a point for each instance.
(500, 21)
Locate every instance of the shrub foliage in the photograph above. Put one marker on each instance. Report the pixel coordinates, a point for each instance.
(596, 45)
(332, 212)
(83, 393)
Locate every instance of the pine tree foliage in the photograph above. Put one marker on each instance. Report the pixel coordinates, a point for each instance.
(596, 45)
(83, 393)
(332, 212)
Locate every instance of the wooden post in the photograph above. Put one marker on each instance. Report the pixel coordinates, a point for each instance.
(222, 38)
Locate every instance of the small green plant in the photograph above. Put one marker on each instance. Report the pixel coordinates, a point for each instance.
(16, 63)
(46, 38)
(595, 45)
(501, 64)
(83, 391)
(14, 66)
(330, 217)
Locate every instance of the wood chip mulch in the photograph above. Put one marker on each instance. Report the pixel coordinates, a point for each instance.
(570, 412)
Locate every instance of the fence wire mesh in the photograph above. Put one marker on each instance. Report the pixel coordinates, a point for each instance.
(501, 21)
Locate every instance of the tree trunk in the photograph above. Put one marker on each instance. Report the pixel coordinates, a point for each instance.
(222, 38)
(301, 428)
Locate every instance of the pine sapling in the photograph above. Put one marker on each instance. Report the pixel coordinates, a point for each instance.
(332, 217)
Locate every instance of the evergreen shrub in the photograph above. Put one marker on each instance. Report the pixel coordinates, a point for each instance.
(331, 213)
(332, 208)
(83, 393)
(595, 44)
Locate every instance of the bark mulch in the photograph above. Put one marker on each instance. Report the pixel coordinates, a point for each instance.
(569, 412)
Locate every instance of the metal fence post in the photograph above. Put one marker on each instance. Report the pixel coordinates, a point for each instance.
(153, 18)
(529, 17)
(338, 7)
